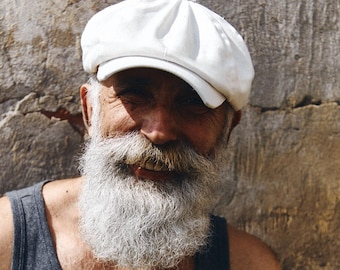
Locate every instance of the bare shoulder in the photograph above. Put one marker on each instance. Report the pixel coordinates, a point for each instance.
(61, 191)
(60, 199)
(6, 233)
(249, 252)
(60, 196)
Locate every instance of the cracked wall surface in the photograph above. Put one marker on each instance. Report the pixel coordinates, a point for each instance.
(284, 157)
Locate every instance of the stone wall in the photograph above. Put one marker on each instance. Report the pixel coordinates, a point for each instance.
(284, 167)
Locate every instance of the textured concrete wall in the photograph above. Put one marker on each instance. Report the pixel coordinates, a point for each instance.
(284, 156)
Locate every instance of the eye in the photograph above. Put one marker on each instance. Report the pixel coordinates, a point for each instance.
(134, 95)
(192, 104)
(193, 101)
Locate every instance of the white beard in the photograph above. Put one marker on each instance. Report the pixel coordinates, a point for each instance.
(141, 223)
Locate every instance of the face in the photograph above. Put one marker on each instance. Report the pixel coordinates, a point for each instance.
(160, 106)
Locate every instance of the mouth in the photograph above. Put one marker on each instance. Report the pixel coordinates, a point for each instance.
(152, 171)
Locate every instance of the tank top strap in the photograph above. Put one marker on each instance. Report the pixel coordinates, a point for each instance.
(216, 255)
(33, 246)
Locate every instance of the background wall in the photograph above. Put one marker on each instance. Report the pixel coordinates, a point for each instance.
(284, 167)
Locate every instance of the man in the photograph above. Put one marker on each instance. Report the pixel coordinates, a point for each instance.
(168, 81)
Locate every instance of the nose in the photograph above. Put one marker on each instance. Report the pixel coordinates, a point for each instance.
(160, 126)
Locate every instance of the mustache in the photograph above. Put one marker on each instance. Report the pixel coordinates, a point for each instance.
(133, 148)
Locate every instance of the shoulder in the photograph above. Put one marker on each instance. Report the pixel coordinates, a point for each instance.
(6, 233)
(249, 252)
(60, 196)
(61, 191)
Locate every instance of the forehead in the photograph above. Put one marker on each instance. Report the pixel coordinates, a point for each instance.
(148, 77)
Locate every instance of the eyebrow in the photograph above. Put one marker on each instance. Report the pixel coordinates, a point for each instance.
(136, 81)
(142, 81)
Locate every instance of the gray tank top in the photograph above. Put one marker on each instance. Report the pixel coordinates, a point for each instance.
(33, 247)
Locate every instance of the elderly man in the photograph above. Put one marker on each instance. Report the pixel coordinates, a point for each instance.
(168, 81)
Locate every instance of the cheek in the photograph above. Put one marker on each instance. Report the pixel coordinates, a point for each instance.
(204, 136)
(116, 120)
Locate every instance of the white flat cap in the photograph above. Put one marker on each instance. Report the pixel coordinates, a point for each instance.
(178, 36)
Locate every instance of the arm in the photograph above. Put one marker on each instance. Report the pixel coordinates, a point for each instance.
(249, 253)
(6, 234)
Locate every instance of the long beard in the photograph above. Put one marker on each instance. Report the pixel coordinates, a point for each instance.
(139, 223)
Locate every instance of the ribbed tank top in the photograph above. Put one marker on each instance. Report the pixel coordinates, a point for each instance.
(33, 247)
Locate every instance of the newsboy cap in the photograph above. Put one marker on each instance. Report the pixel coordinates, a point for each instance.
(178, 36)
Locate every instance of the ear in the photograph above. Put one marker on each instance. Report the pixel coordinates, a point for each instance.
(236, 119)
(86, 107)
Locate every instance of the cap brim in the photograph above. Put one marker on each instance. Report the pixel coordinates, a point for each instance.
(209, 95)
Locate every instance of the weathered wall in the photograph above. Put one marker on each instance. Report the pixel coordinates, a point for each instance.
(284, 156)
